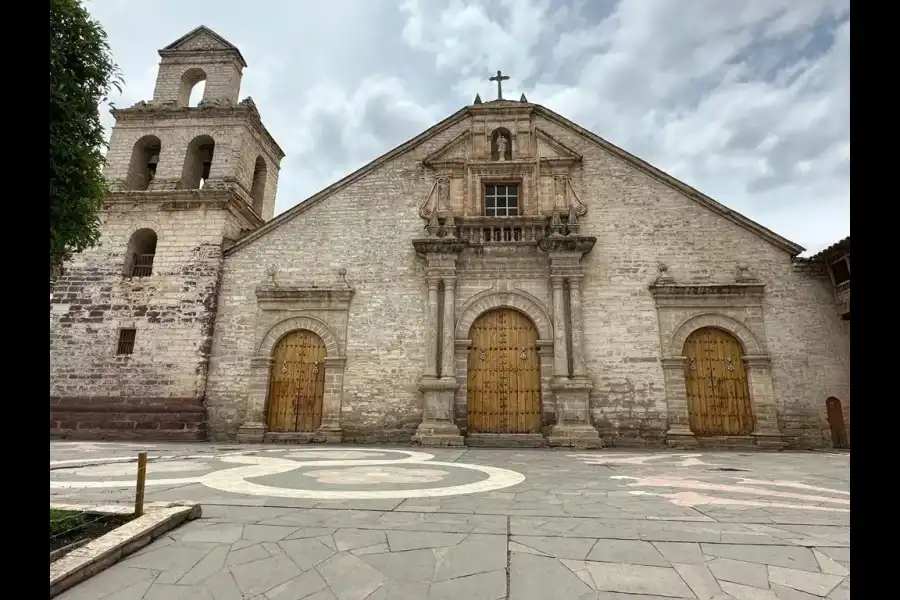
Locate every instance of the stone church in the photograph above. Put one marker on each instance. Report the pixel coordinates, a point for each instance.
(506, 277)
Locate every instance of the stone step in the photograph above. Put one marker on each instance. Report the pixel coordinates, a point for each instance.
(127, 418)
(506, 440)
(726, 442)
(125, 435)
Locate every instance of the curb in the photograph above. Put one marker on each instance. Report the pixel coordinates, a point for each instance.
(101, 553)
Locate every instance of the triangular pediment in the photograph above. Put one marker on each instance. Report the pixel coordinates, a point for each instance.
(455, 151)
(551, 148)
(203, 39)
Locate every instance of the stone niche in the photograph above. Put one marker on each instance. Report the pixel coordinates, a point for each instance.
(502, 145)
(282, 309)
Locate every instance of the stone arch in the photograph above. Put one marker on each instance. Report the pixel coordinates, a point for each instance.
(258, 185)
(517, 299)
(190, 79)
(501, 132)
(142, 166)
(749, 344)
(198, 162)
(282, 328)
(141, 224)
(140, 253)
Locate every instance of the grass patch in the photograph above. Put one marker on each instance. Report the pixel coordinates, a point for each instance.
(70, 526)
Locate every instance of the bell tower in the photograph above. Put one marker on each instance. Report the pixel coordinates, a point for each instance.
(132, 319)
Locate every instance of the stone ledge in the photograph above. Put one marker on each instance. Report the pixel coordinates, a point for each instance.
(101, 553)
(506, 440)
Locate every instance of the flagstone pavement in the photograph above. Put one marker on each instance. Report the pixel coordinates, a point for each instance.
(396, 523)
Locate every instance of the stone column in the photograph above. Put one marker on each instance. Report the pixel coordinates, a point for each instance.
(431, 329)
(578, 367)
(679, 434)
(437, 427)
(762, 397)
(448, 341)
(560, 351)
(253, 430)
(330, 430)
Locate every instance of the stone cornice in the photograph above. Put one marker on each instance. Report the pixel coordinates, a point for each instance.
(304, 298)
(502, 108)
(245, 110)
(567, 243)
(225, 198)
(435, 245)
(702, 290)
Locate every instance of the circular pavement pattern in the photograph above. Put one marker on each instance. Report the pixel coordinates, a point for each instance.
(336, 468)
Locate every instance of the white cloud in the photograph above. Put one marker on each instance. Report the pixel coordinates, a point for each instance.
(748, 102)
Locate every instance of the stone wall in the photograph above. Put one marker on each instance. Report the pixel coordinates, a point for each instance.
(365, 228)
(237, 145)
(639, 223)
(173, 311)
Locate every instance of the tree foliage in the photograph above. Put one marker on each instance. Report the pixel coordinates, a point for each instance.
(82, 73)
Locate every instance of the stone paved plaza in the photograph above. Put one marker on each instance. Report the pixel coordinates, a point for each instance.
(366, 523)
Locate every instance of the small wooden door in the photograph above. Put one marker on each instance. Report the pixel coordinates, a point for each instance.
(836, 422)
(504, 378)
(297, 383)
(716, 382)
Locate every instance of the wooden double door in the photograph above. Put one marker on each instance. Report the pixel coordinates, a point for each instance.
(716, 381)
(297, 383)
(504, 374)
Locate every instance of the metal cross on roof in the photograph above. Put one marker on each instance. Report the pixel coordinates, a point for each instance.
(499, 78)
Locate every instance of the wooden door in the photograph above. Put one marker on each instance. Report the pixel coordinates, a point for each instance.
(297, 383)
(716, 382)
(836, 422)
(504, 378)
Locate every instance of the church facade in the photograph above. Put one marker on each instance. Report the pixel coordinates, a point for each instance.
(504, 278)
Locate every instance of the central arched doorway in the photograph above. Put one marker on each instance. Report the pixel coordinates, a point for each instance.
(716, 383)
(297, 383)
(504, 374)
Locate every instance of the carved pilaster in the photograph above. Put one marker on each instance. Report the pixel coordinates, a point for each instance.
(431, 328)
(560, 350)
(448, 328)
(679, 434)
(765, 417)
(330, 430)
(438, 384)
(578, 363)
(254, 427)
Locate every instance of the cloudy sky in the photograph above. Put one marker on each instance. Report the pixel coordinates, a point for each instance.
(747, 101)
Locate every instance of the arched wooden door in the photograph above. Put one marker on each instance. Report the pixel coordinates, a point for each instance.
(716, 382)
(297, 383)
(504, 377)
(836, 422)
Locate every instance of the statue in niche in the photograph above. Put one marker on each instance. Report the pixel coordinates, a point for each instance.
(559, 183)
(501, 145)
(443, 195)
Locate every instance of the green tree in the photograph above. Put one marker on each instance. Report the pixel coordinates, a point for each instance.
(82, 73)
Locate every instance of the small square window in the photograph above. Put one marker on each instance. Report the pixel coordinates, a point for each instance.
(126, 341)
(501, 200)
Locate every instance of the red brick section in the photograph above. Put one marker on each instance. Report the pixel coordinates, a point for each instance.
(175, 419)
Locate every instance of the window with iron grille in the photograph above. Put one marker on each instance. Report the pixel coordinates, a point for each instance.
(126, 341)
(142, 265)
(501, 200)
